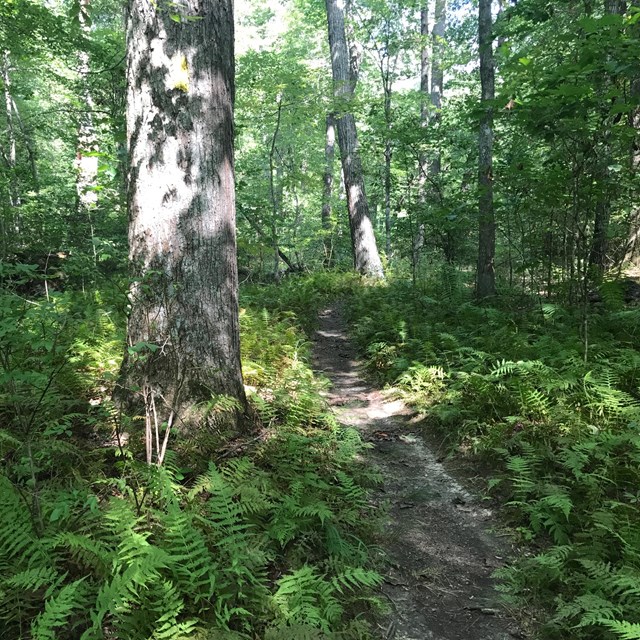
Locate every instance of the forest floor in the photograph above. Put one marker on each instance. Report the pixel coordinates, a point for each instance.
(438, 541)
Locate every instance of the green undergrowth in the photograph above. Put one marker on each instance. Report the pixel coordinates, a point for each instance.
(270, 541)
(302, 296)
(552, 400)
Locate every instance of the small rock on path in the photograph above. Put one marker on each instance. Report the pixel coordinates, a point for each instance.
(440, 553)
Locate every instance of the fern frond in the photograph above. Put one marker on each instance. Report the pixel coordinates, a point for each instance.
(35, 579)
(17, 536)
(624, 630)
(356, 578)
(58, 609)
(87, 551)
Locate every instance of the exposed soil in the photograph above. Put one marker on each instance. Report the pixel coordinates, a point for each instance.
(440, 552)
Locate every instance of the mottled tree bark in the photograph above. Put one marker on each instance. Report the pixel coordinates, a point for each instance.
(327, 191)
(363, 241)
(485, 278)
(182, 235)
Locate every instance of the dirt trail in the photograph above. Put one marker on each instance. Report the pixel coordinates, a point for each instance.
(440, 553)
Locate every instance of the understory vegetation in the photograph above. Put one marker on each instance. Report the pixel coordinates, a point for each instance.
(267, 540)
(271, 538)
(549, 396)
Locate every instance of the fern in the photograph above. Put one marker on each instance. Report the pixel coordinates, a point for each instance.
(295, 632)
(35, 579)
(17, 536)
(356, 578)
(57, 611)
(624, 630)
(191, 563)
(145, 553)
(304, 597)
(86, 552)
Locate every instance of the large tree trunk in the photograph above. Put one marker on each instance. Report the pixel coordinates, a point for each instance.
(181, 200)
(485, 279)
(327, 191)
(365, 251)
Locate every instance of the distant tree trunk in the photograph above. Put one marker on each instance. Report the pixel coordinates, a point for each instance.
(633, 242)
(327, 191)
(419, 236)
(183, 334)
(82, 229)
(10, 156)
(599, 244)
(388, 152)
(437, 79)
(387, 62)
(485, 279)
(363, 241)
(29, 144)
(598, 258)
(437, 89)
(424, 62)
(263, 236)
(275, 200)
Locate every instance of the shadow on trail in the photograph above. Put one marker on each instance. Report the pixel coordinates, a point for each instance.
(439, 552)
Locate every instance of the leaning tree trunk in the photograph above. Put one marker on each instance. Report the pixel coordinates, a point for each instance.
(365, 251)
(327, 191)
(485, 282)
(184, 353)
